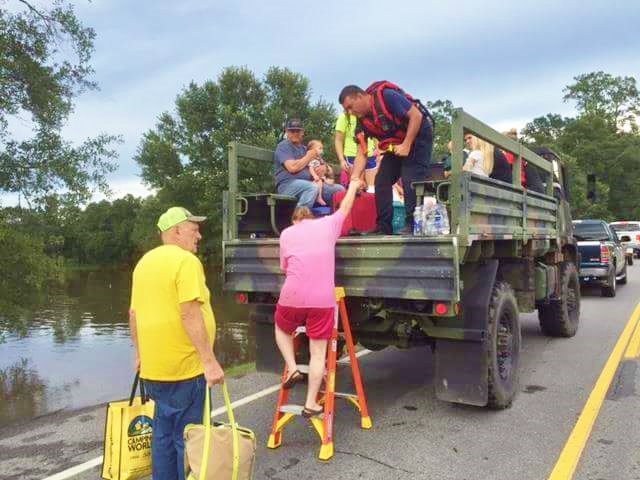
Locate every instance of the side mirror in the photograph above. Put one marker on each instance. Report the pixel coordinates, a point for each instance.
(591, 187)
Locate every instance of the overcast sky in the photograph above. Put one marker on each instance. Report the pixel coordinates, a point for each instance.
(505, 62)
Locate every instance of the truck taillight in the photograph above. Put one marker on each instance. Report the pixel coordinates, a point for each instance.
(638, 238)
(441, 308)
(242, 298)
(604, 254)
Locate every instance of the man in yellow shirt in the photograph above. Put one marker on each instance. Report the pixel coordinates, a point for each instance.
(173, 330)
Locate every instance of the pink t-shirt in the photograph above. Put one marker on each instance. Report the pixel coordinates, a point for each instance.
(308, 259)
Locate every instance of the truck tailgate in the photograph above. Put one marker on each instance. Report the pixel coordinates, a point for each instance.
(415, 268)
(589, 253)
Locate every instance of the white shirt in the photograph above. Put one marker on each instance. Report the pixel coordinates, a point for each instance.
(475, 163)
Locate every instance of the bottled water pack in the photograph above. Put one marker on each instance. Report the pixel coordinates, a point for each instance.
(435, 220)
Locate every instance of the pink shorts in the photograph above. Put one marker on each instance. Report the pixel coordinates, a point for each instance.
(319, 321)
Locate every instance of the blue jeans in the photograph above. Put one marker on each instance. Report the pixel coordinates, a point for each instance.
(177, 404)
(307, 192)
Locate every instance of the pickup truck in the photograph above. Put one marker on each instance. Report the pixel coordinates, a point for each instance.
(603, 260)
(510, 250)
(629, 235)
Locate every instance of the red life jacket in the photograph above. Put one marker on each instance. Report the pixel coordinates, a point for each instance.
(382, 124)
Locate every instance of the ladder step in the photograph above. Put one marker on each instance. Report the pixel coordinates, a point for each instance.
(342, 395)
(295, 409)
(291, 408)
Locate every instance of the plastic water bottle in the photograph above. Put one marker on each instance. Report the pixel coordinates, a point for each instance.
(446, 229)
(428, 210)
(437, 221)
(417, 220)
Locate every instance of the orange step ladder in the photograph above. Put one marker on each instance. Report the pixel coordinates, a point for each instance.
(323, 424)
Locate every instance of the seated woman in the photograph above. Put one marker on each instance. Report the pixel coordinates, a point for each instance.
(480, 158)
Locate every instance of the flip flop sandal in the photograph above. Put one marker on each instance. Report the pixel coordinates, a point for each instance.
(309, 412)
(295, 377)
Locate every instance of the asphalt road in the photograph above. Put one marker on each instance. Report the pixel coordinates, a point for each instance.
(416, 436)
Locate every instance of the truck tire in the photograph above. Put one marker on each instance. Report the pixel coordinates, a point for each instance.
(630, 260)
(610, 290)
(623, 279)
(560, 318)
(503, 341)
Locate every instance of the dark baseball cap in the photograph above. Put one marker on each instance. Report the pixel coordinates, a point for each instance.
(294, 124)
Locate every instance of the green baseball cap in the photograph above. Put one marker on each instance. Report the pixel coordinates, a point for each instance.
(176, 215)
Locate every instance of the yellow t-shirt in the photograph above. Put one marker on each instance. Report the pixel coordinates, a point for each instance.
(164, 278)
(348, 128)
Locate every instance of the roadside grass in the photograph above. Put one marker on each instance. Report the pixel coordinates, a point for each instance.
(240, 370)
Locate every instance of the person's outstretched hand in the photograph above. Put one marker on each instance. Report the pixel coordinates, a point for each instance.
(356, 183)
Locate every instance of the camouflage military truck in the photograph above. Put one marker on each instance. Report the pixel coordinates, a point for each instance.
(511, 250)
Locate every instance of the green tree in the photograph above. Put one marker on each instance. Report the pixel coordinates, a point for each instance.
(615, 99)
(103, 233)
(44, 64)
(184, 156)
(45, 57)
(596, 144)
(545, 130)
(26, 272)
(442, 113)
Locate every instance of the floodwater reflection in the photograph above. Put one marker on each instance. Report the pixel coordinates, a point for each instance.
(75, 351)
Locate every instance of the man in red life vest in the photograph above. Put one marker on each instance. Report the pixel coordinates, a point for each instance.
(404, 129)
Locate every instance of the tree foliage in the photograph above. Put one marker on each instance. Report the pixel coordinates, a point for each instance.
(185, 155)
(442, 113)
(45, 55)
(602, 140)
(600, 94)
(45, 63)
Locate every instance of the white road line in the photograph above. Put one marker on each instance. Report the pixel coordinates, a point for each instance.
(77, 469)
(83, 467)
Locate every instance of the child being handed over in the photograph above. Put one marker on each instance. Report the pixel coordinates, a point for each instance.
(318, 169)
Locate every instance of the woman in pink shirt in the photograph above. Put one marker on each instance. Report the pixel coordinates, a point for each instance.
(307, 257)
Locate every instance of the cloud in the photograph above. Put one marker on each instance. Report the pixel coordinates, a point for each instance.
(504, 62)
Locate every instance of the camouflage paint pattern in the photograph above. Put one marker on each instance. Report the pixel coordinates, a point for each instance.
(489, 219)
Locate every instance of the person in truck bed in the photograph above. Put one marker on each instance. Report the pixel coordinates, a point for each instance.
(404, 129)
(480, 158)
(318, 169)
(307, 257)
(291, 160)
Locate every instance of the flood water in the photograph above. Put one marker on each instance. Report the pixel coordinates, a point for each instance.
(76, 350)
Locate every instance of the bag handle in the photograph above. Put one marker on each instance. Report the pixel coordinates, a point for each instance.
(206, 416)
(143, 395)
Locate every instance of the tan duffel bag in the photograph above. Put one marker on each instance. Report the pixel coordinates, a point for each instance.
(225, 449)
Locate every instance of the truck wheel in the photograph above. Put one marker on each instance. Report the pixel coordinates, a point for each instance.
(503, 338)
(623, 279)
(610, 289)
(561, 316)
(630, 260)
